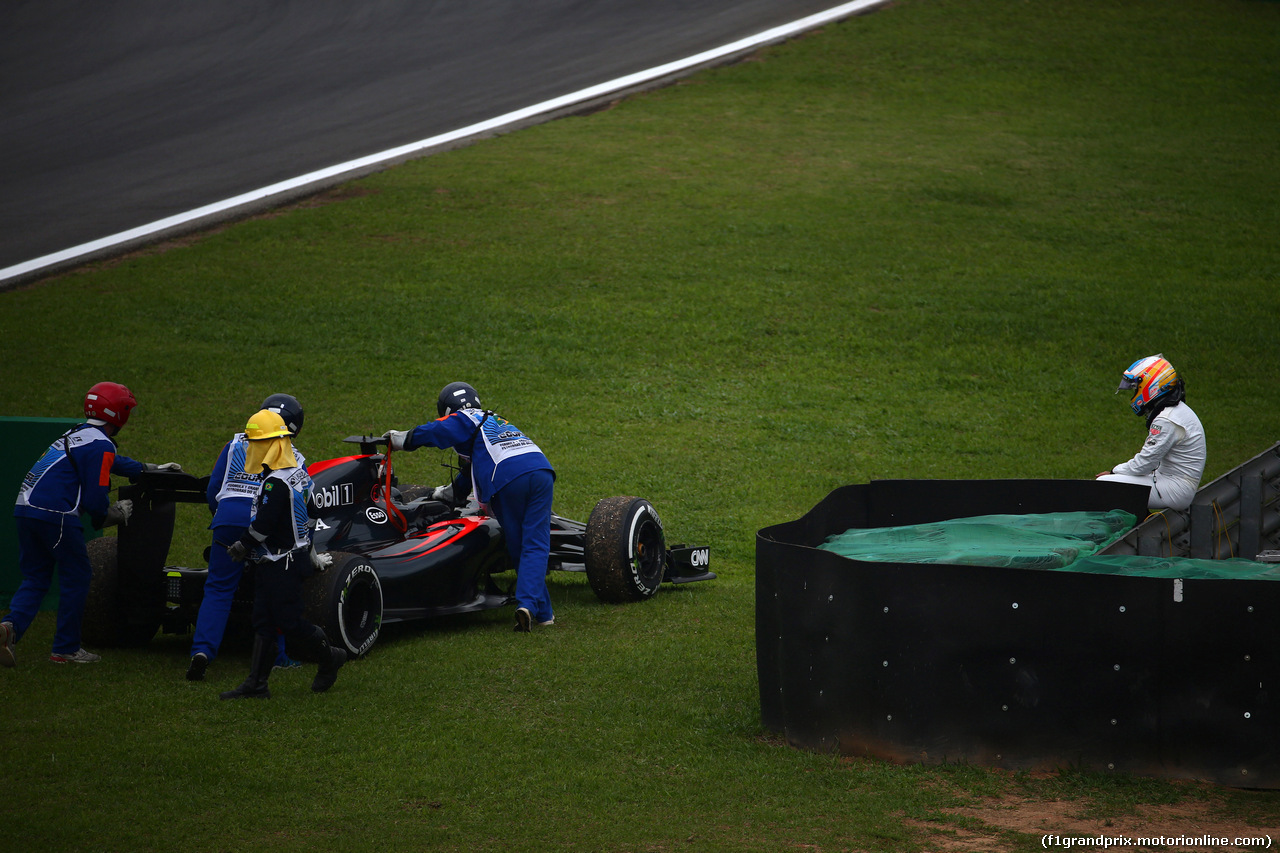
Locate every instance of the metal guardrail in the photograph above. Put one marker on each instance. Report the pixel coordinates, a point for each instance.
(1237, 515)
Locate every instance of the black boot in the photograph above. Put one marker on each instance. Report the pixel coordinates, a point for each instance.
(330, 658)
(327, 674)
(255, 686)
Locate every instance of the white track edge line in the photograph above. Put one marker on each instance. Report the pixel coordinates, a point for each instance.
(352, 166)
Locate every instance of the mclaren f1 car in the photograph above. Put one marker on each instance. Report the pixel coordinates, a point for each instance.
(397, 555)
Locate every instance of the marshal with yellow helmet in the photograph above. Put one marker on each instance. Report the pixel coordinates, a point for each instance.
(279, 524)
(278, 542)
(271, 442)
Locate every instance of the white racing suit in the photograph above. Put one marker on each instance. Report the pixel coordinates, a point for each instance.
(1171, 460)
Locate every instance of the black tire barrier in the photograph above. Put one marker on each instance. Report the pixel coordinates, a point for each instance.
(1012, 668)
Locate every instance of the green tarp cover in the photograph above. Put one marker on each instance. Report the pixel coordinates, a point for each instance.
(1036, 541)
(1176, 567)
(1057, 541)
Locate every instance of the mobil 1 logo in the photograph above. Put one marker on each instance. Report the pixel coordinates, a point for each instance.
(339, 494)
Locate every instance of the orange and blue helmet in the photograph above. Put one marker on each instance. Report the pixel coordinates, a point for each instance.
(1149, 379)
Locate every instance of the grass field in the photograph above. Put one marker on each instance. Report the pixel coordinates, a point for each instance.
(920, 243)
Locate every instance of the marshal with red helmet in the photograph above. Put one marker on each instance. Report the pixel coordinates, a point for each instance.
(72, 478)
(109, 403)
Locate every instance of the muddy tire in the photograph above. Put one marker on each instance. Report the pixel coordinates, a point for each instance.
(409, 494)
(346, 601)
(626, 550)
(113, 614)
(96, 627)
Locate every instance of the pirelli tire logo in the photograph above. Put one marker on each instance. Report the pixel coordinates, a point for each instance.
(360, 609)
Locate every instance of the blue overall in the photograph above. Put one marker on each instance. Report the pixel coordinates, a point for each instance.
(523, 508)
(510, 474)
(72, 477)
(230, 520)
(231, 514)
(41, 545)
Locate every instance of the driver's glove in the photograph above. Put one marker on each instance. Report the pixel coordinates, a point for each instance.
(443, 493)
(118, 513)
(237, 551)
(396, 438)
(320, 560)
(163, 466)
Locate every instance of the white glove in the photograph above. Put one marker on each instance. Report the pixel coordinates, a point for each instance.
(118, 513)
(237, 551)
(443, 493)
(396, 438)
(164, 466)
(320, 560)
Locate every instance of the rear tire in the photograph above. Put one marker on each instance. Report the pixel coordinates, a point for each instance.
(96, 626)
(114, 615)
(346, 601)
(626, 550)
(409, 494)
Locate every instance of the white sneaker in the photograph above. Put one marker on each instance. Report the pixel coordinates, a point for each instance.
(78, 656)
(6, 644)
(522, 620)
(550, 621)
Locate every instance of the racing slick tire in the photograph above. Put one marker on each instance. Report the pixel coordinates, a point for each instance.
(346, 601)
(626, 550)
(114, 615)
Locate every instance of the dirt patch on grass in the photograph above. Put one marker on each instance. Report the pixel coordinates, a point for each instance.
(1001, 824)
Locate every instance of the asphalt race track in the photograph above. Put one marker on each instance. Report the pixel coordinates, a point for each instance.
(116, 115)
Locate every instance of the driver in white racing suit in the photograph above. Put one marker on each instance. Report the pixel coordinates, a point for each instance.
(1171, 461)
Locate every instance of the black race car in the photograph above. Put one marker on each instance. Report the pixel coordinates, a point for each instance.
(397, 555)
